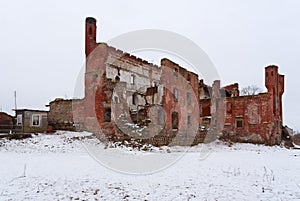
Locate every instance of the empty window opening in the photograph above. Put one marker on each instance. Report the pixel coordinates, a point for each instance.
(116, 99)
(239, 123)
(189, 78)
(134, 99)
(132, 79)
(107, 115)
(189, 120)
(175, 93)
(174, 120)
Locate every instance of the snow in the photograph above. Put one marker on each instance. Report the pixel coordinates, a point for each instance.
(76, 166)
(296, 146)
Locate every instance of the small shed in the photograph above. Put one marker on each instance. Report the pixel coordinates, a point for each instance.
(31, 121)
(6, 122)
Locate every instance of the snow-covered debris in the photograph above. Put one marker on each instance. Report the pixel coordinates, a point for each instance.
(58, 167)
(60, 142)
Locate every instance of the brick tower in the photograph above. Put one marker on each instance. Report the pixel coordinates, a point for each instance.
(274, 82)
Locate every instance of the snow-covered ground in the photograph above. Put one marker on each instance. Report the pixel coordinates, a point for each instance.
(75, 166)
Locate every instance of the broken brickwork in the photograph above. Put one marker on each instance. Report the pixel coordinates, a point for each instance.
(60, 116)
(127, 97)
(253, 118)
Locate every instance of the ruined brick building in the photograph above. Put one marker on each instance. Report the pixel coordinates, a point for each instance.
(253, 118)
(127, 97)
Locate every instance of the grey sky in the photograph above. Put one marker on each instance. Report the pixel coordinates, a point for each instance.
(42, 42)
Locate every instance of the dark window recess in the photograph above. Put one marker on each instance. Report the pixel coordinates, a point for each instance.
(132, 79)
(239, 123)
(189, 78)
(116, 99)
(174, 120)
(189, 120)
(134, 99)
(107, 115)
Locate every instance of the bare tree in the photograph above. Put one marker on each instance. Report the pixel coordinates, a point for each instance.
(250, 90)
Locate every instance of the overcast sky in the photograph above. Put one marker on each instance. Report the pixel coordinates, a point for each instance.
(42, 42)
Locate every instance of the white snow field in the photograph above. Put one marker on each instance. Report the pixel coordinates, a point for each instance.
(60, 167)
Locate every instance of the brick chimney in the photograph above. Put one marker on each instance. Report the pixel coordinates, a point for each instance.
(90, 35)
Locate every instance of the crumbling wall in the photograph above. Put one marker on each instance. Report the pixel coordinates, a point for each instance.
(253, 118)
(233, 90)
(124, 93)
(249, 119)
(181, 95)
(60, 116)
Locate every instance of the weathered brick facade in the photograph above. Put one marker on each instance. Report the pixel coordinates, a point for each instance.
(60, 116)
(126, 97)
(254, 118)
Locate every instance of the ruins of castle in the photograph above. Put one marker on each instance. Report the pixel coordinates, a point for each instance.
(127, 97)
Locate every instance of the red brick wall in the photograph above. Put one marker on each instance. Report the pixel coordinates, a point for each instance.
(174, 76)
(261, 115)
(255, 114)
